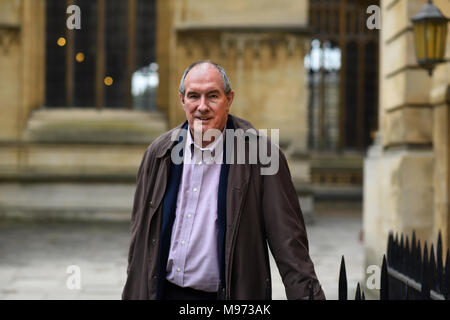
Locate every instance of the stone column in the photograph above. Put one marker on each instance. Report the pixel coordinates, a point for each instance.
(440, 100)
(164, 40)
(406, 171)
(22, 63)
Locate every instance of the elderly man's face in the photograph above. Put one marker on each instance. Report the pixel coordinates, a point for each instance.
(205, 103)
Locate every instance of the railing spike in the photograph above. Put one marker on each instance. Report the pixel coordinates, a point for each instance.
(401, 255)
(342, 281)
(396, 249)
(358, 292)
(406, 259)
(446, 284)
(425, 275)
(418, 262)
(390, 249)
(406, 291)
(413, 262)
(363, 297)
(384, 285)
(439, 264)
(432, 270)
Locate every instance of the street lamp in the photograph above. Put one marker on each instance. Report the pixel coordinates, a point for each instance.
(430, 36)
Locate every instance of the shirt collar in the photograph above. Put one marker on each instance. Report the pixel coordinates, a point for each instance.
(211, 147)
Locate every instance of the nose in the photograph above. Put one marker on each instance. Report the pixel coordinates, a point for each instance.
(203, 107)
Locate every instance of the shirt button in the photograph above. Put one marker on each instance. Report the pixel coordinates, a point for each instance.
(189, 215)
(183, 242)
(178, 269)
(195, 189)
(200, 162)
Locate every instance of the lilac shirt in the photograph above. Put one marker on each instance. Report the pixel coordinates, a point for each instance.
(193, 256)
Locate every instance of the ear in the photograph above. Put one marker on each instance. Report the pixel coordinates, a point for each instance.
(230, 98)
(181, 99)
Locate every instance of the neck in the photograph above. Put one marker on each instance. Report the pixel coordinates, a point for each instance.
(197, 136)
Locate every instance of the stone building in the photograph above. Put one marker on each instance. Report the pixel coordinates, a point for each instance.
(72, 135)
(73, 123)
(406, 172)
(66, 148)
(72, 128)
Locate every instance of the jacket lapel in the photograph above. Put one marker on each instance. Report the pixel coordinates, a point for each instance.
(238, 179)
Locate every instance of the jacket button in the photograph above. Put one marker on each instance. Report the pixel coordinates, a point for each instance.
(151, 203)
(153, 241)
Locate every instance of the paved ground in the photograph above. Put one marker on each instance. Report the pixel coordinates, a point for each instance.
(330, 237)
(34, 257)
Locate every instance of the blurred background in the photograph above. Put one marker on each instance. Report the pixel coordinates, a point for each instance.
(364, 127)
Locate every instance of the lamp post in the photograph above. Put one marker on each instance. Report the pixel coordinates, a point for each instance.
(430, 36)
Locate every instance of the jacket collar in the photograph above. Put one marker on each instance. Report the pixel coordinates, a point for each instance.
(167, 144)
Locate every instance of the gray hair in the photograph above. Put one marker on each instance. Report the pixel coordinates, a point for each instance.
(226, 81)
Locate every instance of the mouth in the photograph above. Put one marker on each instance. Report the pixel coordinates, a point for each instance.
(203, 118)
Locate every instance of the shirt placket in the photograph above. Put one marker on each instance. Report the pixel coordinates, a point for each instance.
(195, 182)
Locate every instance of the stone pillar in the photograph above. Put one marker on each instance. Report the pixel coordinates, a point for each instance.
(164, 29)
(406, 171)
(22, 61)
(440, 100)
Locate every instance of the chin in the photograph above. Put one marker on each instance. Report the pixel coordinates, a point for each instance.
(206, 128)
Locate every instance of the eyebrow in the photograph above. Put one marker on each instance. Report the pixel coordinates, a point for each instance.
(214, 91)
(209, 92)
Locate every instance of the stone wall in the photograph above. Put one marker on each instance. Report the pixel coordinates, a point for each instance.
(406, 182)
(261, 45)
(440, 100)
(22, 80)
(241, 12)
(60, 162)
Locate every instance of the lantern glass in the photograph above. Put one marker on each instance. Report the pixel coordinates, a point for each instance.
(419, 35)
(430, 36)
(430, 40)
(441, 39)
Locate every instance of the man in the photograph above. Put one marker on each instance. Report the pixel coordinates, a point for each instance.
(200, 229)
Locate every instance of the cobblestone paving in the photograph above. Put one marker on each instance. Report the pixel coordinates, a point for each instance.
(34, 257)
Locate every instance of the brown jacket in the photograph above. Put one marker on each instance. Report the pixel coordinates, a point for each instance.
(261, 210)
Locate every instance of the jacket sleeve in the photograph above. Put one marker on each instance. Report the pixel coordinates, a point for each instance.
(286, 234)
(139, 201)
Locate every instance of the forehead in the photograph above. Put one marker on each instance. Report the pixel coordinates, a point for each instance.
(204, 76)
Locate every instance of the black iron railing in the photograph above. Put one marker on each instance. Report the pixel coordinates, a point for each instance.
(406, 274)
(416, 273)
